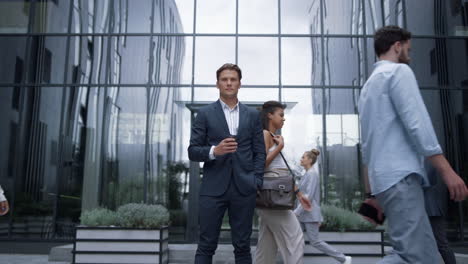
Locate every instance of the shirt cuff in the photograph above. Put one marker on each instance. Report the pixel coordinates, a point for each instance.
(431, 151)
(211, 155)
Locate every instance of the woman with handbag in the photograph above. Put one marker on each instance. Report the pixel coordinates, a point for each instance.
(279, 229)
(310, 220)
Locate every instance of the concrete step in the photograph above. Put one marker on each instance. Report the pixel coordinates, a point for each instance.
(61, 253)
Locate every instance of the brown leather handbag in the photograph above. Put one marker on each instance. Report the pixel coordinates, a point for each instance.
(277, 193)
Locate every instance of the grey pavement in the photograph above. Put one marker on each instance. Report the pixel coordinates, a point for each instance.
(26, 259)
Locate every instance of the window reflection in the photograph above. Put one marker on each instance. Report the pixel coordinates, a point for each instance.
(302, 55)
(14, 16)
(296, 16)
(342, 17)
(258, 58)
(260, 16)
(344, 61)
(343, 182)
(207, 61)
(215, 16)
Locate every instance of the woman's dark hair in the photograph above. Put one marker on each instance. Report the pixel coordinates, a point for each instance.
(269, 108)
(386, 36)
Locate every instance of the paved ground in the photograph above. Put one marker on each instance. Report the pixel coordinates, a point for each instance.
(26, 259)
(43, 259)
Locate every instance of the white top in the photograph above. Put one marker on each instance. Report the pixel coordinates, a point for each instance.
(2, 197)
(310, 187)
(277, 162)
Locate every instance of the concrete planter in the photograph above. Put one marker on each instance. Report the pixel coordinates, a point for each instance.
(121, 245)
(364, 246)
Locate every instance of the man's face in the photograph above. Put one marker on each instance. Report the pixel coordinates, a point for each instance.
(405, 48)
(228, 84)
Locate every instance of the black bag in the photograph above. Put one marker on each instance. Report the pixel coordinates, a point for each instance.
(277, 193)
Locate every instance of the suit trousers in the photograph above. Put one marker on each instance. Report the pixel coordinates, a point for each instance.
(240, 210)
(438, 228)
(408, 224)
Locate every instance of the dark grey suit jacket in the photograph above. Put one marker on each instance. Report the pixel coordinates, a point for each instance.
(246, 165)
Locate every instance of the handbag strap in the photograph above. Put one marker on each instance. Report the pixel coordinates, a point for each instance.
(287, 165)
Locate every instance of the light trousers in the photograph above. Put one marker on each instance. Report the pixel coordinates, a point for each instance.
(279, 230)
(312, 232)
(408, 225)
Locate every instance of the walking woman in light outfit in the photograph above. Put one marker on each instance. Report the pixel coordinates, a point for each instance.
(310, 220)
(279, 230)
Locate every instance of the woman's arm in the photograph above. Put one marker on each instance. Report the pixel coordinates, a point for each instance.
(271, 155)
(311, 187)
(304, 196)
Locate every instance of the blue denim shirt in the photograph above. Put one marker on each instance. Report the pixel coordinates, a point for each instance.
(396, 130)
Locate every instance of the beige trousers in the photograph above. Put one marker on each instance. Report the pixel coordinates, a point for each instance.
(279, 230)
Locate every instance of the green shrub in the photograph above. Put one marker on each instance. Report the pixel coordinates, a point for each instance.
(140, 215)
(99, 217)
(339, 219)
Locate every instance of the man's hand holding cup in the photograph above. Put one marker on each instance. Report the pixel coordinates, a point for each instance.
(227, 145)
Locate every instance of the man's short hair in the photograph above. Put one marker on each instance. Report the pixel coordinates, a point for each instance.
(386, 36)
(229, 66)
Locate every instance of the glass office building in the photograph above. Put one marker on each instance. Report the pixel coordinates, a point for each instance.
(97, 97)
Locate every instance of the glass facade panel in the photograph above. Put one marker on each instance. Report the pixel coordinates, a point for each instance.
(211, 53)
(456, 17)
(371, 57)
(206, 94)
(252, 20)
(136, 17)
(13, 54)
(295, 17)
(259, 95)
(374, 15)
(302, 55)
(185, 9)
(303, 128)
(342, 181)
(49, 16)
(342, 17)
(457, 57)
(216, 16)
(35, 59)
(259, 60)
(14, 16)
(428, 21)
(340, 52)
(429, 61)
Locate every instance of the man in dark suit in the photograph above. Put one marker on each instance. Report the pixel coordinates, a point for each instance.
(227, 136)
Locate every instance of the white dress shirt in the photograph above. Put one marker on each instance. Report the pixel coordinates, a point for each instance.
(232, 119)
(397, 132)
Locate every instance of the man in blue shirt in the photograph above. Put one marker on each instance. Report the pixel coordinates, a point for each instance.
(397, 136)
